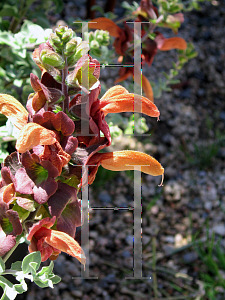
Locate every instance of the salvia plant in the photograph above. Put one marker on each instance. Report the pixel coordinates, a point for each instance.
(58, 154)
(164, 14)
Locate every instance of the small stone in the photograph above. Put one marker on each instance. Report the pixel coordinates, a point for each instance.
(126, 253)
(178, 240)
(208, 205)
(190, 257)
(172, 191)
(219, 229)
(105, 197)
(97, 290)
(111, 278)
(130, 239)
(62, 285)
(168, 249)
(66, 296)
(77, 293)
(168, 239)
(155, 210)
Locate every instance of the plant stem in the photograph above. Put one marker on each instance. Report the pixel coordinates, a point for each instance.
(124, 19)
(22, 12)
(10, 252)
(65, 90)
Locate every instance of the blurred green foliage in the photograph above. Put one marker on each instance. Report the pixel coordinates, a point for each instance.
(18, 37)
(212, 267)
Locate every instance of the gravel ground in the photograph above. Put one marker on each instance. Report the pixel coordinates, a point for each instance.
(191, 125)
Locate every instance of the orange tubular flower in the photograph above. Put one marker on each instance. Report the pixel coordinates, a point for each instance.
(125, 160)
(117, 99)
(14, 110)
(126, 72)
(7, 193)
(32, 135)
(51, 242)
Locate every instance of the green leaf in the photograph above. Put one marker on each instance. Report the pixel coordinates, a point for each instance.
(47, 282)
(23, 213)
(31, 263)
(46, 270)
(8, 291)
(59, 5)
(21, 287)
(9, 10)
(17, 266)
(45, 278)
(174, 81)
(55, 279)
(6, 226)
(2, 266)
(72, 181)
(7, 39)
(97, 8)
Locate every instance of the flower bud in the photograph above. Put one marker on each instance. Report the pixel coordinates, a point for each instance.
(91, 36)
(58, 32)
(94, 45)
(103, 38)
(51, 58)
(54, 40)
(67, 35)
(99, 38)
(70, 47)
(61, 30)
(81, 50)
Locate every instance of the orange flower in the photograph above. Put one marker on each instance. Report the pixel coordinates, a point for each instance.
(7, 193)
(51, 242)
(117, 99)
(126, 72)
(14, 110)
(125, 160)
(33, 135)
